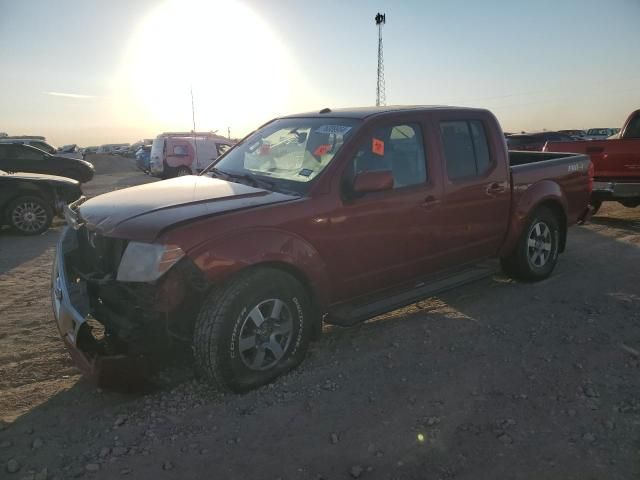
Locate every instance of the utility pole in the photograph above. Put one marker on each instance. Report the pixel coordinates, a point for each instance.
(381, 97)
(229, 133)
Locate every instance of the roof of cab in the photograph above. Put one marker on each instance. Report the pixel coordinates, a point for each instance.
(364, 112)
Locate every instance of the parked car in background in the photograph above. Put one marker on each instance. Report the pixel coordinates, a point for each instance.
(335, 215)
(575, 134)
(28, 202)
(616, 162)
(600, 133)
(24, 158)
(535, 141)
(37, 142)
(111, 148)
(142, 158)
(71, 151)
(90, 150)
(177, 154)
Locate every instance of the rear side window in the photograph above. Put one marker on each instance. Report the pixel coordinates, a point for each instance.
(465, 148)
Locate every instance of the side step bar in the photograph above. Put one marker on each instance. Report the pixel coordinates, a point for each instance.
(350, 315)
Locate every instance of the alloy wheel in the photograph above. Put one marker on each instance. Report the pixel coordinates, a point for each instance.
(29, 217)
(265, 334)
(539, 245)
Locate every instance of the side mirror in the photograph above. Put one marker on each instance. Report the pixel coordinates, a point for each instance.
(373, 181)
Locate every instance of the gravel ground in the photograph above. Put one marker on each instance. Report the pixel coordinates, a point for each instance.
(496, 380)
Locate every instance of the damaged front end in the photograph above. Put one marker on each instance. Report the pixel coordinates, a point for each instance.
(116, 328)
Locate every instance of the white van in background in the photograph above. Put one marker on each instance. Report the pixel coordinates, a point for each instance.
(174, 153)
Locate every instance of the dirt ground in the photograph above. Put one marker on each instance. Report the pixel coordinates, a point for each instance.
(494, 380)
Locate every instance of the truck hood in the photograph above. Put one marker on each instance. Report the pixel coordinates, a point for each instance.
(141, 213)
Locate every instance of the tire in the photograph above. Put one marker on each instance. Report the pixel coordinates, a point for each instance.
(536, 253)
(182, 171)
(29, 215)
(237, 343)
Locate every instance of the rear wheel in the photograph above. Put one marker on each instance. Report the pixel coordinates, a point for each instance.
(252, 330)
(536, 252)
(29, 215)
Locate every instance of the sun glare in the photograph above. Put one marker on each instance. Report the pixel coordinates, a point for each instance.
(239, 70)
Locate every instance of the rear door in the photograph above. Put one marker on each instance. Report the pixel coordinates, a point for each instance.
(180, 152)
(477, 197)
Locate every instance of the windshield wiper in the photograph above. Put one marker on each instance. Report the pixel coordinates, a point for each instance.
(255, 181)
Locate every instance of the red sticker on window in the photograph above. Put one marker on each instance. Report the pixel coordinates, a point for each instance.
(377, 147)
(265, 149)
(321, 150)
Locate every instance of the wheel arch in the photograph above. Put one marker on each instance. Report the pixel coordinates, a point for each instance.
(221, 258)
(544, 194)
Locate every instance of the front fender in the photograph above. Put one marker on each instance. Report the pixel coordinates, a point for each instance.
(221, 257)
(545, 191)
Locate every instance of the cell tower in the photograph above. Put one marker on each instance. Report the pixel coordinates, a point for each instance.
(381, 97)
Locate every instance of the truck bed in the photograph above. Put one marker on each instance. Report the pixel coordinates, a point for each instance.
(519, 158)
(550, 171)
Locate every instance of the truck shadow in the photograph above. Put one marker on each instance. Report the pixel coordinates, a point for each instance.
(632, 225)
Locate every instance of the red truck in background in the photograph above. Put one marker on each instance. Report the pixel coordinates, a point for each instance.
(332, 216)
(616, 162)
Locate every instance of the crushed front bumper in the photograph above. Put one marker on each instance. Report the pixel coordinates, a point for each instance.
(71, 309)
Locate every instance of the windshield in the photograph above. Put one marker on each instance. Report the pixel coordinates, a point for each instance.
(289, 153)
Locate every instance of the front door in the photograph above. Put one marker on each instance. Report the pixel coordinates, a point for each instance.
(477, 197)
(34, 161)
(379, 240)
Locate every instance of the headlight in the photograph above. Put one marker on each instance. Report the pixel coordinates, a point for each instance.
(146, 262)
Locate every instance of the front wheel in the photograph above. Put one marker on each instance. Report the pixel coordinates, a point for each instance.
(252, 330)
(536, 252)
(29, 215)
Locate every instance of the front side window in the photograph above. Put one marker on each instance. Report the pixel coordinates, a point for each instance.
(222, 147)
(43, 146)
(465, 147)
(397, 148)
(27, 153)
(289, 152)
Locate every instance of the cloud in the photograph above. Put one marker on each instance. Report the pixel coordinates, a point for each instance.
(69, 95)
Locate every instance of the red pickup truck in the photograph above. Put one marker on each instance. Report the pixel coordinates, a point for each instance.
(331, 216)
(616, 162)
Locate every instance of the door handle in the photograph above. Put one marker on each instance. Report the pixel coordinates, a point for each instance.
(495, 188)
(430, 201)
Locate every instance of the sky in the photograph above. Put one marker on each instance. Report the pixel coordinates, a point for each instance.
(92, 72)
